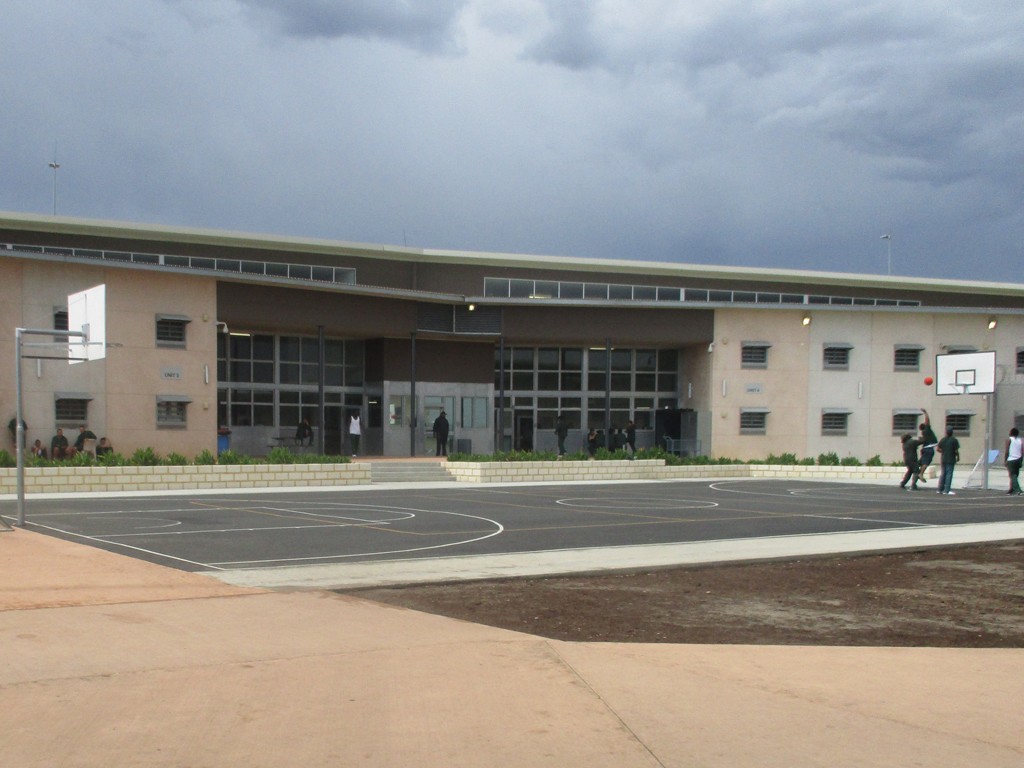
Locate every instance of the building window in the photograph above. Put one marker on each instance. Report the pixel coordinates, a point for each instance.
(1020, 359)
(251, 358)
(754, 354)
(905, 421)
(753, 422)
(71, 410)
(399, 411)
(300, 359)
(171, 330)
(293, 408)
(960, 349)
(171, 412)
(836, 357)
(960, 423)
(906, 358)
(834, 422)
(474, 413)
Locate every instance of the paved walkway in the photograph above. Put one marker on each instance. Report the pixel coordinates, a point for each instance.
(112, 661)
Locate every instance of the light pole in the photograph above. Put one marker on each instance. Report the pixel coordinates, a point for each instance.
(55, 165)
(888, 248)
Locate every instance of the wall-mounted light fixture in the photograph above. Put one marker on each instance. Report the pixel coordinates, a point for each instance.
(806, 320)
(472, 307)
(992, 323)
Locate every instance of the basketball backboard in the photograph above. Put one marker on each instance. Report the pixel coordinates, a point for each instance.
(972, 373)
(87, 314)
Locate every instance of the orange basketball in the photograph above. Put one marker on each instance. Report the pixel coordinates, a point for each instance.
(928, 380)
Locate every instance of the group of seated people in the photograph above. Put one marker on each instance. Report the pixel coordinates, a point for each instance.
(60, 448)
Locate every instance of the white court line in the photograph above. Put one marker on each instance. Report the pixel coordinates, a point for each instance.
(128, 546)
(295, 561)
(235, 530)
(634, 505)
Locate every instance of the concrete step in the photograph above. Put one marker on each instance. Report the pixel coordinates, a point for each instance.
(409, 472)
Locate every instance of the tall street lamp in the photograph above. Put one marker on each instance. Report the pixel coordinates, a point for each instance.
(888, 248)
(55, 165)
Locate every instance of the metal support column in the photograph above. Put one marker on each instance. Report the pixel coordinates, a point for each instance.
(412, 398)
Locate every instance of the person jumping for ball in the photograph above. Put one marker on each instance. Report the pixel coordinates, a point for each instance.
(928, 443)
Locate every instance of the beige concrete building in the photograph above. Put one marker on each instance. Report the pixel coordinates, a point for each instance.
(248, 333)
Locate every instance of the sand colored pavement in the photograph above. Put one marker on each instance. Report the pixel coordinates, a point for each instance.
(111, 661)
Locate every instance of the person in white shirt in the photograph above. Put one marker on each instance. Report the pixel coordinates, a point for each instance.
(1014, 453)
(355, 430)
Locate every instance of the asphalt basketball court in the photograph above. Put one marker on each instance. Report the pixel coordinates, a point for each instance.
(338, 537)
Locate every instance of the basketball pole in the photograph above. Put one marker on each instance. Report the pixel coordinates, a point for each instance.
(19, 434)
(991, 410)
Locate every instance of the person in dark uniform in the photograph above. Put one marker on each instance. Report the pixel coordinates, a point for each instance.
(59, 446)
(84, 433)
(561, 432)
(441, 428)
(949, 447)
(304, 433)
(910, 461)
(929, 442)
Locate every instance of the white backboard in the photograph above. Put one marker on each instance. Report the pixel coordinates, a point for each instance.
(973, 373)
(87, 313)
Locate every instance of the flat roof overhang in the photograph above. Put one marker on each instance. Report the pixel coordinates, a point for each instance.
(746, 275)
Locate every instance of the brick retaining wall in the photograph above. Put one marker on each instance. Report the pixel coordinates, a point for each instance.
(142, 479)
(206, 477)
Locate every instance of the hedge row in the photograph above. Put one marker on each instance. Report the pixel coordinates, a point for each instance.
(671, 459)
(147, 457)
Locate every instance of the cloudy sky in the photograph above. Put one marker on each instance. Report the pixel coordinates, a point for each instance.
(776, 133)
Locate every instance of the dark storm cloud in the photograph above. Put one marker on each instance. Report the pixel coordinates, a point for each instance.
(428, 25)
(785, 133)
(936, 95)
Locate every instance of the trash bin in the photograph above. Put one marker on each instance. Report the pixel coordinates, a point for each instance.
(223, 440)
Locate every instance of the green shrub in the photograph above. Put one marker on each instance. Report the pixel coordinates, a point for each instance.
(850, 461)
(874, 461)
(111, 459)
(830, 459)
(145, 457)
(281, 455)
(175, 460)
(231, 457)
(205, 458)
(81, 459)
(807, 461)
(786, 458)
(322, 458)
(7, 460)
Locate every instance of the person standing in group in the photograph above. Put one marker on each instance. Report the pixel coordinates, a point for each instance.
(355, 431)
(928, 444)
(1014, 454)
(631, 438)
(949, 447)
(910, 461)
(592, 443)
(561, 432)
(441, 428)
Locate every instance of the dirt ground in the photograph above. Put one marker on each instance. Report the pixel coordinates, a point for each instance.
(961, 597)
